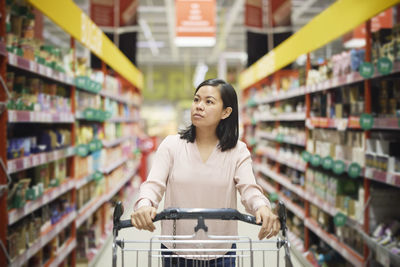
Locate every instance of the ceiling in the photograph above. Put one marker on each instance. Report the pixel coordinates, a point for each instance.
(157, 16)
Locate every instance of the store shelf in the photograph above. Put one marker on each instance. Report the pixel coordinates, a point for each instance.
(265, 185)
(118, 98)
(344, 250)
(62, 253)
(111, 143)
(16, 165)
(85, 212)
(16, 214)
(295, 242)
(292, 140)
(384, 253)
(297, 248)
(381, 176)
(386, 124)
(352, 123)
(113, 165)
(290, 162)
(43, 240)
(94, 254)
(123, 119)
(79, 115)
(296, 209)
(282, 95)
(293, 116)
(283, 180)
(20, 116)
(331, 210)
(39, 69)
(83, 181)
(320, 203)
(339, 81)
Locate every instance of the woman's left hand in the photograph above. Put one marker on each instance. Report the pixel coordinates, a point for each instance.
(270, 222)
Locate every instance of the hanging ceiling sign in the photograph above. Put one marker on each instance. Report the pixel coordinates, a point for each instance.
(281, 12)
(254, 13)
(195, 23)
(102, 12)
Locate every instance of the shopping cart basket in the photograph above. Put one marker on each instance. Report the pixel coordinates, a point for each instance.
(248, 252)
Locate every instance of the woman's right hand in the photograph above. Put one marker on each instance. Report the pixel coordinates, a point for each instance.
(142, 218)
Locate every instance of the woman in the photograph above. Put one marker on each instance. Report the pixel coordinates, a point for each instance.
(202, 167)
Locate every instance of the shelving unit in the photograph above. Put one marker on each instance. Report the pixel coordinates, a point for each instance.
(70, 186)
(262, 96)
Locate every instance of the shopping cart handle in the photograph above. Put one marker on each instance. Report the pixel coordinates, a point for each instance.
(216, 214)
(210, 214)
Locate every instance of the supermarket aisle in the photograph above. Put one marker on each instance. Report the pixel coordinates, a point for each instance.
(133, 234)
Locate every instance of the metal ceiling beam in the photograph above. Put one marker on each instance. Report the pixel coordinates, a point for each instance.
(169, 5)
(230, 21)
(298, 12)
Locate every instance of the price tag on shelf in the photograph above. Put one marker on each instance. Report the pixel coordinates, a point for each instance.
(26, 162)
(306, 156)
(335, 81)
(12, 116)
(366, 70)
(390, 179)
(340, 219)
(366, 121)
(327, 163)
(315, 160)
(42, 158)
(338, 167)
(35, 160)
(341, 124)
(11, 166)
(82, 150)
(31, 116)
(42, 69)
(49, 72)
(384, 66)
(93, 145)
(368, 172)
(354, 170)
(32, 66)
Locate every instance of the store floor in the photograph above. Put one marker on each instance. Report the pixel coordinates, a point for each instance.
(105, 259)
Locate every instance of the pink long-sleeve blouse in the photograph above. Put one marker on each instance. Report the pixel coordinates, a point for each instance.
(188, 182)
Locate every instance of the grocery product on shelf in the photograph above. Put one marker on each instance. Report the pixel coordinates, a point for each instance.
(347, 141)
(59, 171)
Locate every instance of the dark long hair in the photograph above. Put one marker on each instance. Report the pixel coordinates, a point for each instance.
(228, 129)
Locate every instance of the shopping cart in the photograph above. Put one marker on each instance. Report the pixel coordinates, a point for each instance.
(150, 253)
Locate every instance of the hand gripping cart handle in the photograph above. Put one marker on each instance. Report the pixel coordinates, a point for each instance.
(200, 215)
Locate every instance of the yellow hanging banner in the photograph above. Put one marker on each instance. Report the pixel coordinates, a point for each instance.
(67, 15)
(341, 17)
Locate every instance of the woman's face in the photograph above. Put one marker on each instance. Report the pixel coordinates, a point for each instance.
(207, 107)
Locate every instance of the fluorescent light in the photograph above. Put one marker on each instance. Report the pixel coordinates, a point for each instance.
(195, 41)
(355, 43)
(146, 44)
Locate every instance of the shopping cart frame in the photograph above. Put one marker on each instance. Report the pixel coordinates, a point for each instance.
(200, 215)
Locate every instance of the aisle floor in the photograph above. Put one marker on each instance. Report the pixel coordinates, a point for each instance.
(105, 259)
